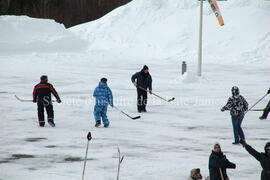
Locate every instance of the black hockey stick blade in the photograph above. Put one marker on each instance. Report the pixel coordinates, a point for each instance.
(171, 99)
(137, 117)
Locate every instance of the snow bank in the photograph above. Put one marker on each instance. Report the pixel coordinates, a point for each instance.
(170, 28)
(24, 34)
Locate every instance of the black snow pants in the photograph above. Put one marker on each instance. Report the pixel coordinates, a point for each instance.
(141, 100)
(49, 109)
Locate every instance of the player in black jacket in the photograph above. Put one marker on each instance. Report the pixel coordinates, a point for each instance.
(143, 80)
(42, 96)
(263, 158)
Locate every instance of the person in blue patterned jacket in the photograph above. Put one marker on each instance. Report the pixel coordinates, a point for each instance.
(104, 97)
(237, 106)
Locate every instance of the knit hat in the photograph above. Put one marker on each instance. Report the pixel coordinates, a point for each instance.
(44, 78)
(145, 67)
(195, 173)
(103, 80)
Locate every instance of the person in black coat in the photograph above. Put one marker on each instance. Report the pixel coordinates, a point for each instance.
(42, 96)
(218, 163)
(263, 158)
(266, 109)
(143, 81)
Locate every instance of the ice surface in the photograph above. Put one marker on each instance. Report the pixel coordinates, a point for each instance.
(169, 140)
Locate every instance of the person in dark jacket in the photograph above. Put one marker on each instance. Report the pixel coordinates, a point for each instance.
(266, 109)
(263, 158)
(218, 163)
(237, 106)
(42, 96)
(143, 81)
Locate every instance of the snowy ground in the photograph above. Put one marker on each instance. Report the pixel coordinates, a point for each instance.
(169, 140)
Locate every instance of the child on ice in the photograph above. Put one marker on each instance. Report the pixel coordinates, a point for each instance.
(104, 97)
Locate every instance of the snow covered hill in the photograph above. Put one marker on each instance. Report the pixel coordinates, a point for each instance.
(171, 138)
(28, 35)
(170, 28)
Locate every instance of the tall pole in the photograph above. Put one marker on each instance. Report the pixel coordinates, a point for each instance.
(200, 42)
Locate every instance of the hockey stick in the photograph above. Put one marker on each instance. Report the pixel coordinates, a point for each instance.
(89, 137)
(257, 110)
(5, 92)
(221, 174)
(26, 100)
(120, 159)
(137, 117)
(22, 100)
(157, 95)
(256, 103)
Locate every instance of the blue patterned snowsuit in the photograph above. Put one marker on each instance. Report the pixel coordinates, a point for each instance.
(103, 95)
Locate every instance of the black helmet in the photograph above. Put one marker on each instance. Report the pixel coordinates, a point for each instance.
(44, 78)
(104, 80)
(235, 91)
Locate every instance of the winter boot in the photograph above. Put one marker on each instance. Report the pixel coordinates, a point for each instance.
(262, 118)
(41, 123)
(98, 123)
(51, 123)
(106, 125)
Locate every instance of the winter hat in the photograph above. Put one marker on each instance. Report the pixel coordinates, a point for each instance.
(44, 78)
(235, 91)
(195, 173)
(103, 80)
(267, 146)
(145, 67)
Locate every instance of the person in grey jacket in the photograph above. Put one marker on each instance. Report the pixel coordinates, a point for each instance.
(143, 81)
(237, 106)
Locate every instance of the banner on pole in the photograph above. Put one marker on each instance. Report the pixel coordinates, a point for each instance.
(215, 8)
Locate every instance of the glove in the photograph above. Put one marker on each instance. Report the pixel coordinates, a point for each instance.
(111, 105)
(135, 84)
(223, 109)
(34, 100)
(268, 92)
(150, 91)
(59, 100)
(243, 142)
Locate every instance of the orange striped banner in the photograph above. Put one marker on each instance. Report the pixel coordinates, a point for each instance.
(215, 8)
